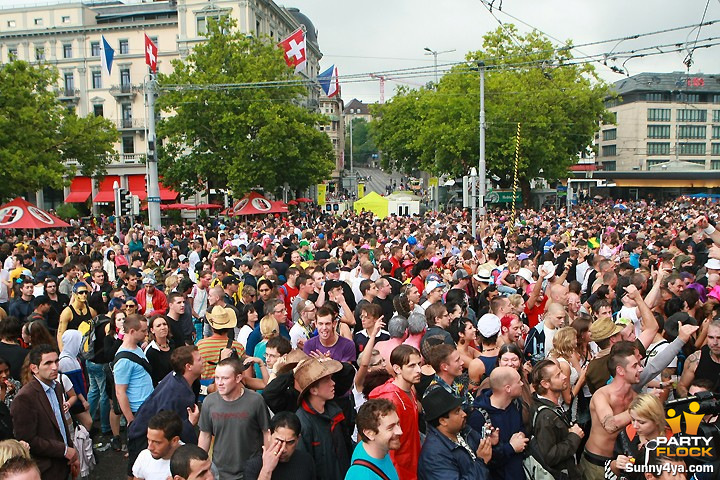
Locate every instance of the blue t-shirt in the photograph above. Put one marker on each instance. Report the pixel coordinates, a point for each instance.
(138, 380)
(360, 472)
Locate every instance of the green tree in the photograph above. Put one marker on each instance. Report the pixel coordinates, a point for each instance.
(529, 80)
(38, 134)
(246, 137)
(363, 142)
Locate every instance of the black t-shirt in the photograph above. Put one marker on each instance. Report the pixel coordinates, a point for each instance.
(15, 356)
(160, 362)
(322, 255)
(56, 308)
(387, 307)
(301, 466)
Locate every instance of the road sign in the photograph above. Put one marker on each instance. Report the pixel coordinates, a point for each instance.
(153, 199)
(502, 196)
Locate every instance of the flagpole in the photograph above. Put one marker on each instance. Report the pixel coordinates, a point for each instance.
(153, 187)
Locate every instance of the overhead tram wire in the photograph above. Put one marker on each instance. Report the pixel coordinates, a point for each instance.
(413, 72)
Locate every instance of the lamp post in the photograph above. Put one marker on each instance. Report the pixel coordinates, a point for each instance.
(435, 54)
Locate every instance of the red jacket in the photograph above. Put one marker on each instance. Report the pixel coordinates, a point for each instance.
(406, 457)
(159, 301)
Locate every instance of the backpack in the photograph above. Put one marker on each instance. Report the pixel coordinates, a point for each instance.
(93, 339)
(535, 468)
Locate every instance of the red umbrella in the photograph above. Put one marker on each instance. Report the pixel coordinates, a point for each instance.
(292, 202)
(20, 213)
(208, 206)
(180, 206)
(304, 200)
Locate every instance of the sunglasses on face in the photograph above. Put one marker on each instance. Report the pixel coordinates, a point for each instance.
(81, 292)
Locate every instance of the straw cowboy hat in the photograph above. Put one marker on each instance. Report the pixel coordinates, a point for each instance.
(221, 318)
(311, 370)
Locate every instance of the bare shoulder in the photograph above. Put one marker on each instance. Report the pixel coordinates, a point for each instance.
(693, 359)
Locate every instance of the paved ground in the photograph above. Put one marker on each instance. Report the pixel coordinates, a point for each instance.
(111, 465)
(378, 179)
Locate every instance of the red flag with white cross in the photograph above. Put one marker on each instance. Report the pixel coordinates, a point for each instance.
(151, 52)
(295, 51)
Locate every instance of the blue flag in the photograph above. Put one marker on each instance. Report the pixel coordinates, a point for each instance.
(106, 55)
(329, 81)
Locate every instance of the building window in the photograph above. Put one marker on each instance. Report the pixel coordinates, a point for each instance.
(696, 162)
(40, 54)
(716, 116)
(38, 22)
(67, 50)
(124, 47)
(715, 132)
(96, 79)
(125, 80)
(155, 41)
(692, 131)
(609, 166)
(691, 115)
(69, 83)
(654, 97)
(658, 114)
(610, 134)
(691, 148)
(202, 23)
(688, 97)
(658, 148)
(98, 110)
(128, 144)
(11, 24)
(715, 149)
(12, 53)
(95, 49)
(66, 19)
(716, 98)
(715, 164)
(257, 27)
(658, 131)
(609, 150)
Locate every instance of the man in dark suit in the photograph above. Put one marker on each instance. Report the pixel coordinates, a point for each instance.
(39, 417)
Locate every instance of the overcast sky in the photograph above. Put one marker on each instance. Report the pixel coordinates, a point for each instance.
(380, 35)
(375, 35)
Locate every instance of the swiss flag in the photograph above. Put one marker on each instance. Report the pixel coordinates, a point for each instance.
(151, 52)
(294, 48)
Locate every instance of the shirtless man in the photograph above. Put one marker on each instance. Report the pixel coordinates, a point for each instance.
(609, 409)
(77, 312)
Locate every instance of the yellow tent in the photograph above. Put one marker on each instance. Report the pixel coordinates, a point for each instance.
(374, 203)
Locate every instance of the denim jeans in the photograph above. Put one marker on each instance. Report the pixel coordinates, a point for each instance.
(97, 392)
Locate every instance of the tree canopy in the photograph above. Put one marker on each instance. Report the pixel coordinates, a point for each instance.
(242, 136)
(38, 134)
(363, 142)
(528, 80)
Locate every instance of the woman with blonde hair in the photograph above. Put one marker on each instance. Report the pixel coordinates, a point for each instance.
(648, 423)
(12, 448)
(564, 353)
(269, 328)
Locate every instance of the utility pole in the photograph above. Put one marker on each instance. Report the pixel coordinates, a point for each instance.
(435, 54)
(481, 166)
(116, 190)
(353, 188)
(473, 200)
(153, 188)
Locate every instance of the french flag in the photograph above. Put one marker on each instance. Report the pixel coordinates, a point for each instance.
(329, 81)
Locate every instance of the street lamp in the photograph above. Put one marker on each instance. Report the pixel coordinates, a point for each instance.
(435, 54)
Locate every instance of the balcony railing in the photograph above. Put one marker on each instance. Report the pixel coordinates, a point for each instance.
(131, 158)
(131, 124)
(72, 94)
(124, 89)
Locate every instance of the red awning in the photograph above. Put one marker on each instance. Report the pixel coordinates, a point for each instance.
(80, 190)
(106, 194)
(136, 185)
(167, 193)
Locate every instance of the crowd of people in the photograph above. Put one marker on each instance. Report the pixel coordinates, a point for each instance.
(312, 346)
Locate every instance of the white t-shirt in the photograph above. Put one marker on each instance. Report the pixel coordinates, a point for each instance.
(549, 335)
(243, 334)
(148, 468)
(631, 313)
(4, 277)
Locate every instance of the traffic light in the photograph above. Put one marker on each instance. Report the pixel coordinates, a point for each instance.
(125, 202)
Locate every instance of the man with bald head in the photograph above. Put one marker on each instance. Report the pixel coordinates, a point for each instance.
(500, 406)
(558, 293)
